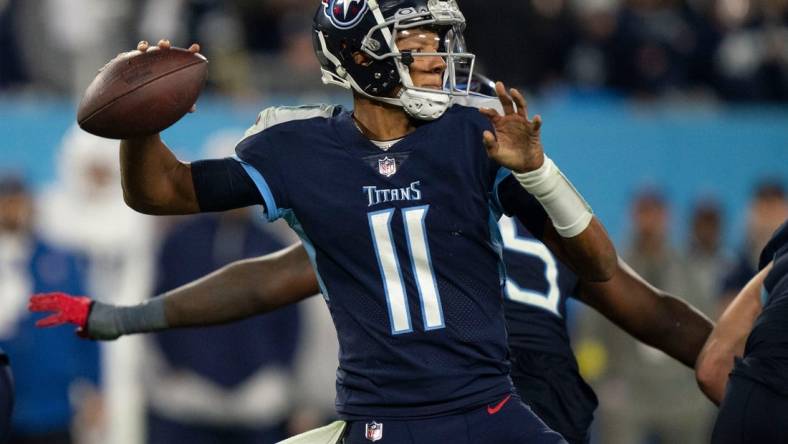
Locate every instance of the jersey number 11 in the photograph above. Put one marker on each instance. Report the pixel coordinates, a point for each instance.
(391, 271)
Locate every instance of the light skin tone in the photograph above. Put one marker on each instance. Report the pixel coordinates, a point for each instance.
(728, 339)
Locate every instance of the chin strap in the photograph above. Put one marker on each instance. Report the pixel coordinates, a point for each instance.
(424, 105)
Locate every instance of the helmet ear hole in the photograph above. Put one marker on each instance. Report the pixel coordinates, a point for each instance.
(361, 59)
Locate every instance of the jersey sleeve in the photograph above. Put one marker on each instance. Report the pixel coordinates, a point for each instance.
(223, 184)
(259, 157)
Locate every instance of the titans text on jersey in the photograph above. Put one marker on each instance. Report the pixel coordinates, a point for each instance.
(377, 195)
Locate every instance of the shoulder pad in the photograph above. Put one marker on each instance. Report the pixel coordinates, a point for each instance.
(281, 114)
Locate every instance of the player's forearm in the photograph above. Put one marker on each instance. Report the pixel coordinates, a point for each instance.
(242, 289)
(650, 315)
(590, 254)
(154, 180)
(576, 234)
(678, 329)
(728, 339)
(237, 291)
(714, 364)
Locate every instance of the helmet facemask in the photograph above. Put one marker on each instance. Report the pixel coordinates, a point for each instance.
(441, 18)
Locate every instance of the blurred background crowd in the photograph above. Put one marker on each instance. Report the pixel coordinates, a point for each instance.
(642, 101)
(730, 50)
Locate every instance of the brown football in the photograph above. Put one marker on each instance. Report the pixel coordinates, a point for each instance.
(142, 93)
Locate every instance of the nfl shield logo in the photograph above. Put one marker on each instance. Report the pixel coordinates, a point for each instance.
(374, 431)
(387, 166)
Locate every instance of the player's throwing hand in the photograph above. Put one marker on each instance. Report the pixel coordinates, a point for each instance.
(516, 143)
(143, 46)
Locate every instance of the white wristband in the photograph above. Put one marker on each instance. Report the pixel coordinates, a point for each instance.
(566, 207)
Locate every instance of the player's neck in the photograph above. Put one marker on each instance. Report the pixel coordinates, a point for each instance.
(380, 121)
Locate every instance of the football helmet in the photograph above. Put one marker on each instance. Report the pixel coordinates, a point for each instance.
(343, 28)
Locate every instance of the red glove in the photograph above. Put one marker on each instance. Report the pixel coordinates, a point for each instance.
(67, 310)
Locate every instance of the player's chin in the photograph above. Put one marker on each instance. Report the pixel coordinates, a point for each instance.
(430, 85)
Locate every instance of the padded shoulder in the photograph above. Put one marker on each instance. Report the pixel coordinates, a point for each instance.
(276, 115)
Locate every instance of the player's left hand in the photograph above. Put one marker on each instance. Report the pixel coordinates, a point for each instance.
(63, 309)
(516, 144)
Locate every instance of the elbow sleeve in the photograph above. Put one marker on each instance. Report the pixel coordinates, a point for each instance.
(222, 184)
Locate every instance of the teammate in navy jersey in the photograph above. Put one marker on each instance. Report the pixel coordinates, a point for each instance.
(544, 369)
(744, 364)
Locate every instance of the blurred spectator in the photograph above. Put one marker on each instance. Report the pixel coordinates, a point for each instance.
(229, 383)
(523, 43)
(704, 260)
(591, 61)
(767, 210)
(733, 49)
(752, 60)
(84, 210)
(63, 43)
(645, 396)
(56, 373)
(255, 47)
(654, 47)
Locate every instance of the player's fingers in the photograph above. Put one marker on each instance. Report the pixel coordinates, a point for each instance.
(143, 45)
(43, 302)
(489, 141)
(194, 48)
(50, 321)
(519, 100)
(506, 100)
(489, 113)
(164, 44)
(537, 123)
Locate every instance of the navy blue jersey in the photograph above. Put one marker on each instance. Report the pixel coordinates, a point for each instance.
(766, 351)
(544, 369)
(407, 250)
(537, 289)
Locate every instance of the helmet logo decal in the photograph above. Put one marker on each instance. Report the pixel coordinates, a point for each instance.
(345, 14)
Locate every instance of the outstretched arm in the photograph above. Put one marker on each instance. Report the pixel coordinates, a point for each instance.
(576, 236)
(236, 291)
(728, 339)
(649, 314)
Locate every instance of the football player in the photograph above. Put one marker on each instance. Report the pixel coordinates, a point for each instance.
(396, 204)
(744, 364)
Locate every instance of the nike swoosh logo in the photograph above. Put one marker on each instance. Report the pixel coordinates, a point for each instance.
(499, 406)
